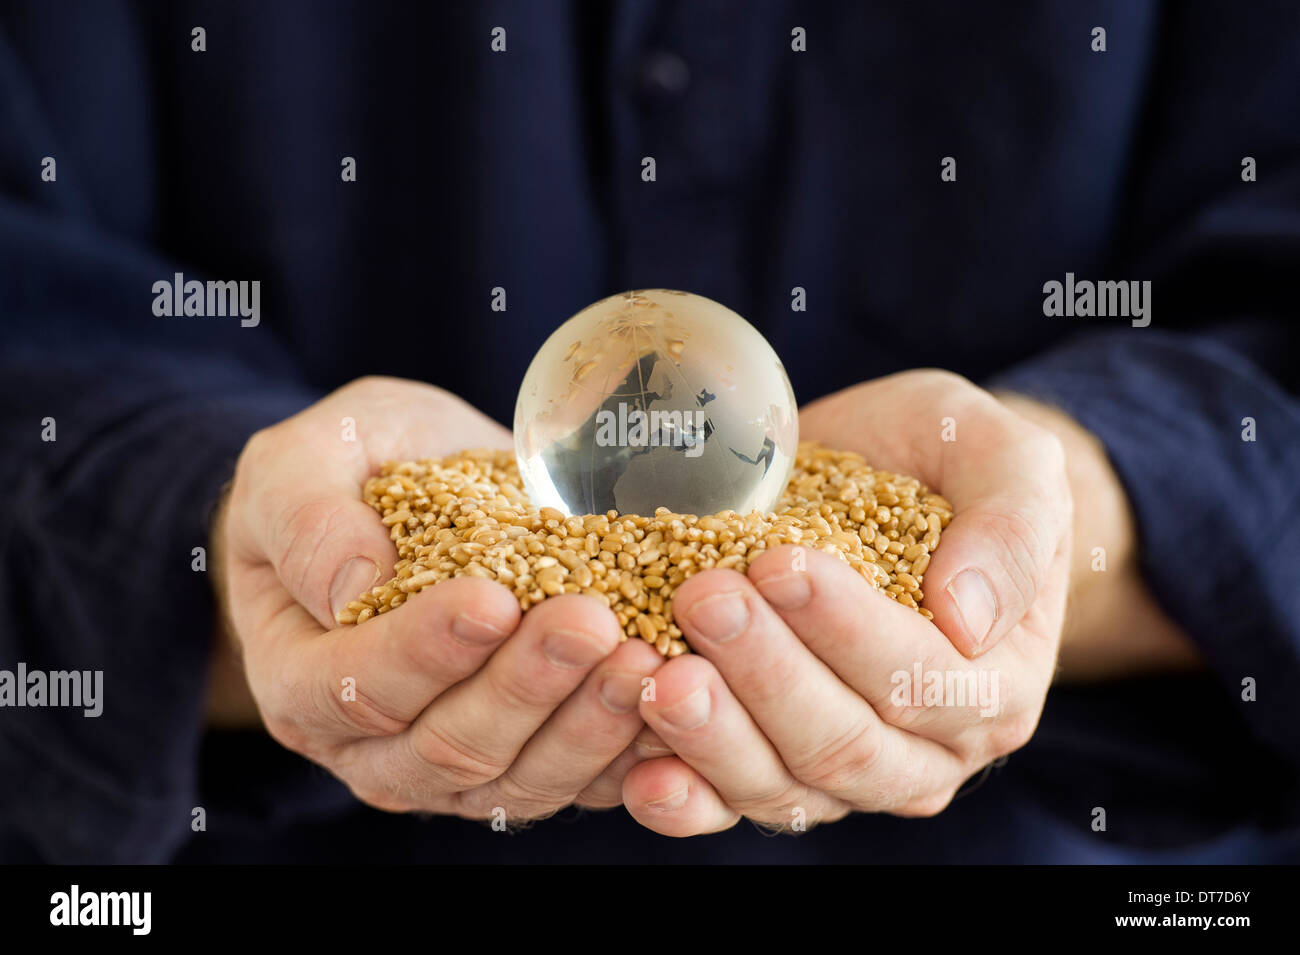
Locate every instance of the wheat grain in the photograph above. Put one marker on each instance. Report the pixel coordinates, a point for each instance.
(467, 515)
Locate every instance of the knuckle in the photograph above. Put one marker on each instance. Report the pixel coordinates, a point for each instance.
(843, 763)
(767, 686)
(257, 447)
(434, 649)
(941, 379)
(298, 736)
(299, 531)
(1042, 446)
(929, 805)
(596, 800)
(604, 792)
(480, 802)
(298, 520)
(285, 710)
(381, 388)
(520, 691)
(250, 461)
(519, 789)
(287, 731)
(386, 799)
(460, 764)
(896, 708)
(911, 787)
(394, 783)
(1045, 452)
(776, 801)
(1010, 734)
(361, 714)
(528, 799)
(1018, 542)
(361, 385)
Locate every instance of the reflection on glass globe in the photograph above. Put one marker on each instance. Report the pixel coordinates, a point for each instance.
(656, 398)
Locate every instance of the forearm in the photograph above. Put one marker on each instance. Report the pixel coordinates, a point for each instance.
(1114, 627)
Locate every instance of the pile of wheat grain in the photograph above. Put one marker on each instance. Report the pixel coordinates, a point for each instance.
(467, 515)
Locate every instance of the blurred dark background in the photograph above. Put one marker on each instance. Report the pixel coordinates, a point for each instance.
(522, 170)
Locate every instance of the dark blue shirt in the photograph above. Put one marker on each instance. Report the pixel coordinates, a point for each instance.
(775, 169)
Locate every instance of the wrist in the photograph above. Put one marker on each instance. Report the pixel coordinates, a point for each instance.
(1114, 626)
(230, 703)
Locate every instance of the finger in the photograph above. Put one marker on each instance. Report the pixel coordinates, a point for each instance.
(1004, 475)
(397, 417)
(697, 715)
(473, 732)
(994, 558)
(399, 663)
(580, 740)
(865, 418)
(308, 521)
(297, 493)
(650, 745)
(669, 797)
(827, 734)
(374, 679)
(328, 551)
(888, 653)
(607, 789)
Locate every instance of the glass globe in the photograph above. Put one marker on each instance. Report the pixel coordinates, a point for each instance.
(656, 398)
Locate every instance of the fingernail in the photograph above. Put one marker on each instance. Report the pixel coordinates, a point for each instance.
(474, 632)
(785, 591)
(978, 608)
(620, 692)
(721, 617)
(690, 712)
(572, 649)
(670, 802)
(357, 574)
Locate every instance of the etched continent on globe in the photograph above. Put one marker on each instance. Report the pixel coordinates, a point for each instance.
(656, 398)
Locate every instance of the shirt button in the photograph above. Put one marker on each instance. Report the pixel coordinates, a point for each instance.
(664, 77)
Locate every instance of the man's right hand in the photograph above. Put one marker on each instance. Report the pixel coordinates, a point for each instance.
(461, 704)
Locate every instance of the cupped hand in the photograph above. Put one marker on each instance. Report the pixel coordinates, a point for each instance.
(802, 702)
(454, 702)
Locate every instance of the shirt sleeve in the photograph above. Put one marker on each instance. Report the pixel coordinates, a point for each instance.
(99, 575)
(121, 428)
(121, 437)
(1207, 446)
(1198, 410)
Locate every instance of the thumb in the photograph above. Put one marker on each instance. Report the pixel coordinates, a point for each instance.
(985, 575)
(1013, 516)
(296, 498)
(327, 551)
